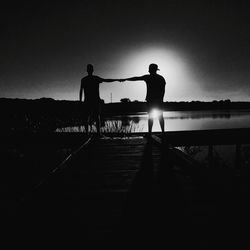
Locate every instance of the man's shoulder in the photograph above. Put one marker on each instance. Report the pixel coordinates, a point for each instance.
(161, 77)
(97, 77)
(84, 78)
(91, 78)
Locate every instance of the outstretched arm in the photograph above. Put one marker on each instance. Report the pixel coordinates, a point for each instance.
(136, 78)
(109, 80)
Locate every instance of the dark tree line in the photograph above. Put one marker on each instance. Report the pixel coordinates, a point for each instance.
(47, 114)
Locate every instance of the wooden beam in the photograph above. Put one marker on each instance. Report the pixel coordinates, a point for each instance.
(237, 156)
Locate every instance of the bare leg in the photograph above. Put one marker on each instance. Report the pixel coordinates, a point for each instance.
(86, 125)
(150, 123)
(98, 124)
(161, 120)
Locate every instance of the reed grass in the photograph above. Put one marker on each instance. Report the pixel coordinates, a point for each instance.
(110, 126)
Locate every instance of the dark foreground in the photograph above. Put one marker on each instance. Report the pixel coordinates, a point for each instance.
(122, 192)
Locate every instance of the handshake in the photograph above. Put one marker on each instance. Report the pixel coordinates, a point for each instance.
(122, 80)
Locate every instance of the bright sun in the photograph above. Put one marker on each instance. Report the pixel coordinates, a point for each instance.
(169, 62)
(173, 65)
(155, 113)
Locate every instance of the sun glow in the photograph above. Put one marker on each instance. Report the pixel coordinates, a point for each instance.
(169, 62)
(155, 113)
(174, 67)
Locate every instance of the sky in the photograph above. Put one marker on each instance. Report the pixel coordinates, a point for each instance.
(201, 47)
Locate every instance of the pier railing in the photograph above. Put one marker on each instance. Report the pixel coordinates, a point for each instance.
(211, 138)
(208, 138)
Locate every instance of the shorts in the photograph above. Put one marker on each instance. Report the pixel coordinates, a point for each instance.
(154, 105)
(92, 109)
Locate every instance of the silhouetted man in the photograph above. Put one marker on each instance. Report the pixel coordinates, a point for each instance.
(155, 93)
(92, 101)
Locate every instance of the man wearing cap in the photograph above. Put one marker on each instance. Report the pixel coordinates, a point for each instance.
(92, 101)
(155, 93)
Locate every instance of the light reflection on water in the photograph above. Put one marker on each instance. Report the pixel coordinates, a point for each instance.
(194, 120)
(177, 121)
(186, 120)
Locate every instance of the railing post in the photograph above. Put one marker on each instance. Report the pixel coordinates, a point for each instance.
(210, 155)
(237, 162)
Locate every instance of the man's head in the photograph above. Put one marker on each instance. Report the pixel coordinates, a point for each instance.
(90, 69)
(153, 68)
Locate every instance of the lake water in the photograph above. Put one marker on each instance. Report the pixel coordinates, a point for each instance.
(185, 120)
(175, 121)
(189, 120)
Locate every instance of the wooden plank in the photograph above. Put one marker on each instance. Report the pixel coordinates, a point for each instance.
(210, 155)
(175, 138)
(237, 156)
(91, 192)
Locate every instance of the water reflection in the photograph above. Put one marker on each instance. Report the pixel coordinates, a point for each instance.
(202, 115)
(191, 120)
(175, 121)
(197, 114)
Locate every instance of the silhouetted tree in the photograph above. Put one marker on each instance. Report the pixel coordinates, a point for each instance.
(125, 100)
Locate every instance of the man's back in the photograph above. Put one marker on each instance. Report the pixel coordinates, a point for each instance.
(155, 87)
(90, 84)
(155, 92)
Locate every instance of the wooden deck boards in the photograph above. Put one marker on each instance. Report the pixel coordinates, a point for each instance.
(123, 190)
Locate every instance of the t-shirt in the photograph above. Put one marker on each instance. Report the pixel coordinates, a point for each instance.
(155, 87)
(90, 85)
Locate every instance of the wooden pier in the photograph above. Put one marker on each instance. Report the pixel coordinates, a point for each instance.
(115, 190)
